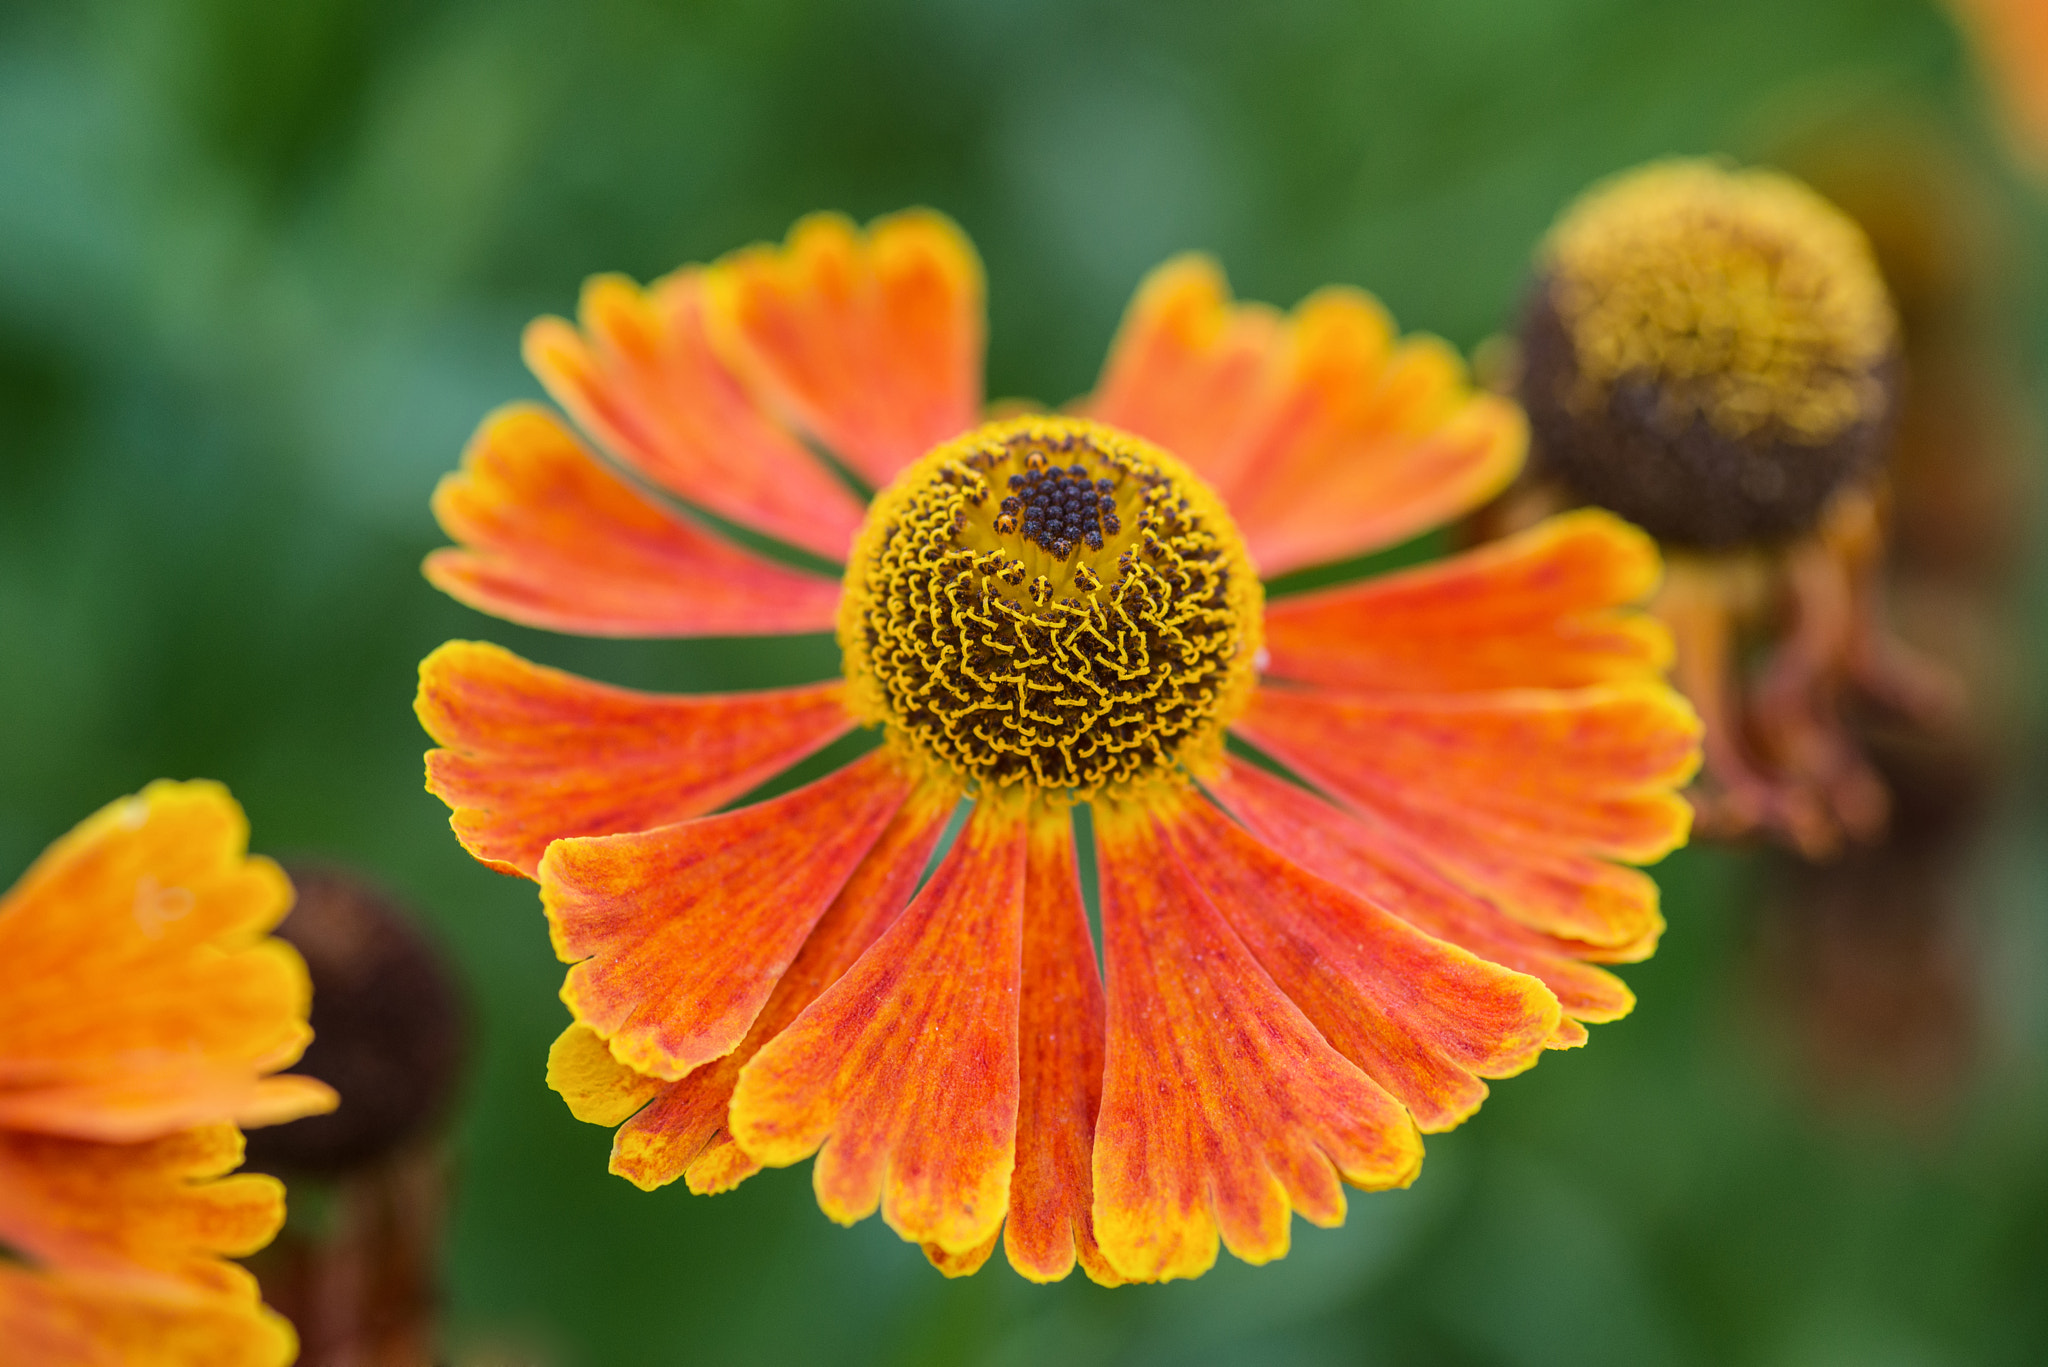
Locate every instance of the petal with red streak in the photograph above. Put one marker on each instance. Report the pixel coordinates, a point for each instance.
(871, 341)
(679, 934)
(905, 1070)
(682, 1130)
(1425, 1019)
(1222, 1106)
(551, 538)
(1589, 770)
(535, 755)
(1060, 1042)
(140, 990)
(1542, 609)
(1325, 436)
(1379, 862)
(642, 378)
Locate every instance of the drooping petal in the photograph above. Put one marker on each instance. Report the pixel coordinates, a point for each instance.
(1542, 609)
(154, 903)
(534, 754)
(1325, 435)
(1222, 1106)
(678, 934)
(1060, 1043)
(551, 538)
(1521, 794)
(1425, 1019)
(869, 341)
(86, 1321)
(642, 378)
(681, 1132)
(1379, 861)
(160, 1211)
(905, 1070)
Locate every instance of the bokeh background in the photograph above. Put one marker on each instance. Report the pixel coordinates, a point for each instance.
(263, 265)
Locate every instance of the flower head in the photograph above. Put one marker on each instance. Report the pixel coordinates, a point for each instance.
(1712, 353)
(1297, 976)
(143, 1009)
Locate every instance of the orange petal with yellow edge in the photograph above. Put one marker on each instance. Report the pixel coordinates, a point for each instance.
(84, 1321)
(551, 538)
(160, 1211)
(682, 1130)
(534, 754)
(1060, 1042)
(677, 935)
(140, 991)
(1425, 1019)
(905, 1070)
(1222, 1105)
(1188, 367)
(642, 378)
(1542, 609)
(1325, 435)
(1379, 863)
(871, 341)
(1590, 769)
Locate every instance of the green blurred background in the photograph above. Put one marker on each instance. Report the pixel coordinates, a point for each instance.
(263, 265)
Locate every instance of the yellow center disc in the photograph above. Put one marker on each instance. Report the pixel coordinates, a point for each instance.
(1050, 601)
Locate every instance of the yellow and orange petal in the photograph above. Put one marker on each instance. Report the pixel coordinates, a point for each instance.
(902, 1076)
(549, 537)
(1378, 864)
(868, 340)
(1223, 1107)
(139, 989)
(532, 755)
(641, 377)
(88, 1321)
(678, 934)
(1325, 434)
(1557, 606)
(1424, 1019)
(682, 1130)
(159, 1212)
(1060, 1046)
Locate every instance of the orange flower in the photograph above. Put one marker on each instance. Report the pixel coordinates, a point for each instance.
(1036, 613)
(2010, 40)
(143, 1007)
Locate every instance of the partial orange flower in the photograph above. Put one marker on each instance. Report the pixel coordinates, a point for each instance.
(1300, 974)
(143, 1010)
(2010, 40)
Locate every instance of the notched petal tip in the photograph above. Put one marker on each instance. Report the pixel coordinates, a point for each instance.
(679, 934)
(1223, 1108)
(535, 754)
(869, 341)
(549, 537)
(903, 1075)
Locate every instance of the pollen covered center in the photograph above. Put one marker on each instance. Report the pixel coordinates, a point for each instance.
(1742, 296)
(1048, 600)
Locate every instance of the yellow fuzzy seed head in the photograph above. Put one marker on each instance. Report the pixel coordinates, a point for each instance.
(1742, 295)
(1052, 602)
